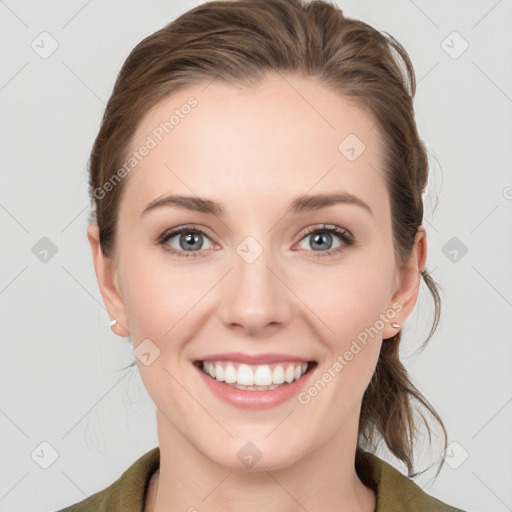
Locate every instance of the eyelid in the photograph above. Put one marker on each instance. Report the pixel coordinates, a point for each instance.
(172, 232)
(325, 227)
(345, 236)
(169, 233)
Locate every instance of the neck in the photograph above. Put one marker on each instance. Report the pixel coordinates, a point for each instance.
(324, 480)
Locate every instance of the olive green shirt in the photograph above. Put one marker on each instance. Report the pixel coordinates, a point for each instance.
(395, 492)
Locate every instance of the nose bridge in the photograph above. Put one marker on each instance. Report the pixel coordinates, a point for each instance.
(254, 297)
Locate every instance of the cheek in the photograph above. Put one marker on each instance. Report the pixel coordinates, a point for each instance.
(156, 296)
(348, 300)
(159, 303)
(349, 304)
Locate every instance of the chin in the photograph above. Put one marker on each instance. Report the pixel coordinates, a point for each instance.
(256, 455)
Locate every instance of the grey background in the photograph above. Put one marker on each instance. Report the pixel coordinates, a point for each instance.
(60, 364)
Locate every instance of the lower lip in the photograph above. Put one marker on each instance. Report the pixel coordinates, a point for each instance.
(255, 399)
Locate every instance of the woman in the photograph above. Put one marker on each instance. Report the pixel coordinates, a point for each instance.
(257, 184)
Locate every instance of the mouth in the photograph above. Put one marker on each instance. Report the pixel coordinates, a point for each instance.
(255, 377)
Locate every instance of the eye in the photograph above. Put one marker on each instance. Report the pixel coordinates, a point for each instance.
(188, 241)
(191, 241)
(321, 240)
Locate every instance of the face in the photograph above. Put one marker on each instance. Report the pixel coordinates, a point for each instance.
(288, 260)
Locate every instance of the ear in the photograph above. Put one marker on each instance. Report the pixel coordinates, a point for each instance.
(106, 274)
(409, 279)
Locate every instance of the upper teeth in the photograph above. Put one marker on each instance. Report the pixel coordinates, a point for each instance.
(257, 375)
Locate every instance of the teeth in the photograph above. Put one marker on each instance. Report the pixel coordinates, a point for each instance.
(229, 374)
(262, 376)
(219, 372)
(244, 375)
(278, 375)
(256, 388)
(257, 377)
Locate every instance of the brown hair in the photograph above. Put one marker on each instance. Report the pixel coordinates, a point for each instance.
(240, 42)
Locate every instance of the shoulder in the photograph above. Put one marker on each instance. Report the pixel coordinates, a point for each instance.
(127, 493)
(394, 490)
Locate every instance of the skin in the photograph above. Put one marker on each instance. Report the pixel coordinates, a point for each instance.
(254, 150)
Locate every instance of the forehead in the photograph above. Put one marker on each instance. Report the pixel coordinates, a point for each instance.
(281, 138)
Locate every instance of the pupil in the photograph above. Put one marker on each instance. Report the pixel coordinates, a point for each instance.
(190, 240)
(321, 237)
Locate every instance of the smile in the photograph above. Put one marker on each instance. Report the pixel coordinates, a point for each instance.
(263, 377)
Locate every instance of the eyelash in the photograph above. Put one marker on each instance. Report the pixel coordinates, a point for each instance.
(342, 234)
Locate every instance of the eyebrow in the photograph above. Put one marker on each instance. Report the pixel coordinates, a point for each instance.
(300, 204)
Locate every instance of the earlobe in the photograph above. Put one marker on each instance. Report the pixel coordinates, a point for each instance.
(106, 276)
(409, 280)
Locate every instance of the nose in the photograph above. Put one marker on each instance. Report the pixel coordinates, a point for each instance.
(255, 299)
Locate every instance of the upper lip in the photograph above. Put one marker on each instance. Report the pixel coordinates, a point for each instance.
(254, 358)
